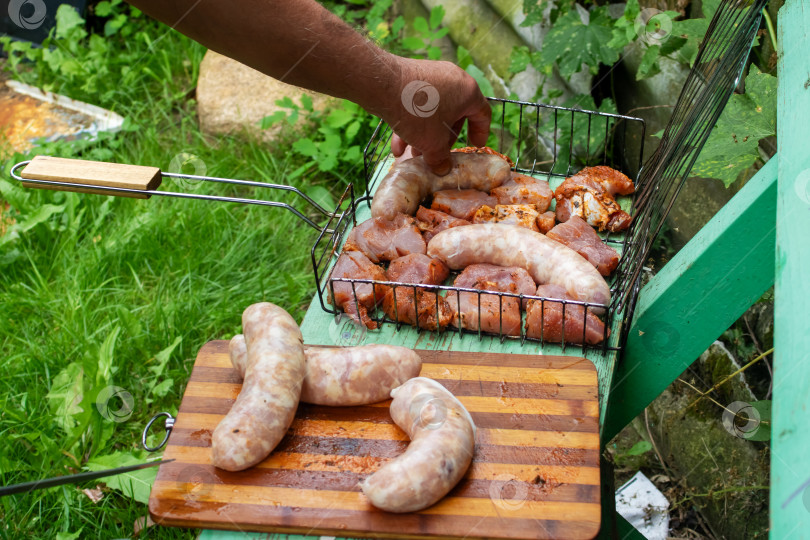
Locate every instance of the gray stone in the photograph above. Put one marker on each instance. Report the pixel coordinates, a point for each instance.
(233, 98)
(721, 472)
(715, 365)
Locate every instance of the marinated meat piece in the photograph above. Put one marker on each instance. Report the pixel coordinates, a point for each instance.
(461, 203)
(432, 222)
(544, 319)
(383, 240)
(590, 195)
(411, 181)
(523, 215)
(483, 150)
(580, 237)
(489, 277)
(398, 302)
(546, 221)
(355, 265)
(522, 189)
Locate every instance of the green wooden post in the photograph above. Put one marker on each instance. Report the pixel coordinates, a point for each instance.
(726, 267)
(790, 473)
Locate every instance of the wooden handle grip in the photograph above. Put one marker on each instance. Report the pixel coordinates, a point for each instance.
(96, 173)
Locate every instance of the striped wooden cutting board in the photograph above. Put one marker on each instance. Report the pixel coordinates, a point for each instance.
(535, 473)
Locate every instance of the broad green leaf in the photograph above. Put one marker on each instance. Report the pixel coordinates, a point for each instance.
(136, 484)
(639, 448)
(434, 53)
(322, 196)
(68, 536)
(398, 25)
(351, 131)
(306, 147)
(480, 78)
(571, 44)
(464, 59)
(268, 121)
(163, 356)
(436, 16)
(66, 395)
(103, 9)
(519, 59)
(41, 215)
(648, 66)
(733, 144)
(413, 43)
(306, 102)
(339, 117)
(421, 25)
(105, 358)
(163, 388)
(68, 21)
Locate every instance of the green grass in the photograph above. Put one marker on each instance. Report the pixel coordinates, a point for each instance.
(105, 284)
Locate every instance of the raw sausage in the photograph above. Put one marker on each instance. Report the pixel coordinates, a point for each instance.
(409, 182)
(266, 405)
(547, 261)
(341, 376)
(442, 436)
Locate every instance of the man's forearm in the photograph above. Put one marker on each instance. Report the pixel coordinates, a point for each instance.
(296, 41)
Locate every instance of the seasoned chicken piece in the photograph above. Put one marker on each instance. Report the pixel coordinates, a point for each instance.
(432, 222)
(483, 150)
(383, 240)
(356, 298)
(461, 203)
(580, 237)
(498, 314)
(403, 303)
(523, 215)
(544, 319)
(590, 195)
(522, 189)
(546, 221)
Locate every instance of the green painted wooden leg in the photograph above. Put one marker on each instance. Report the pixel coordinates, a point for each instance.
(708, 285)
(790, 465)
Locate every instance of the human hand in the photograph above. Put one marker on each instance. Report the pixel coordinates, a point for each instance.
(436, 99)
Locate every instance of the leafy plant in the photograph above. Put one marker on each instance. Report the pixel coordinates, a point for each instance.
(733, 145)
(426, 33)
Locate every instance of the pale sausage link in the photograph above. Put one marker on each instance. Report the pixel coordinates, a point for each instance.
(409, 182)
(442, 444)
(341, 376)
(546, 261)
(266, 406)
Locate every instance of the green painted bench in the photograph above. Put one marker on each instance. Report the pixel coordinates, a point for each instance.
(759, 239)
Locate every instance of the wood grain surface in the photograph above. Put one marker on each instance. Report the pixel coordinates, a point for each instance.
(94, 173)
(535, 472)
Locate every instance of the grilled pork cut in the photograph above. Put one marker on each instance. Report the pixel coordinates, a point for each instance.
(357, 298)
(544, 319)
(383, 240)
(580, 237)
(522, 189)
(461, 203)
(546, 221)
(432, 222)
(403, 303)
(498, 314)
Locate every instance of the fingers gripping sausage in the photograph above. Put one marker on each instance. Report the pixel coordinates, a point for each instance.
(346, 375)
(266, 405)
(442, 443)
(409, 182)
(546, 261)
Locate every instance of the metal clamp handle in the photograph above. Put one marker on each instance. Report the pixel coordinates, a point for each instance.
(169, 425)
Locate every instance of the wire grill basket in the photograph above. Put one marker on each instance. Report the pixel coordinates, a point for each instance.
(544, 141)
